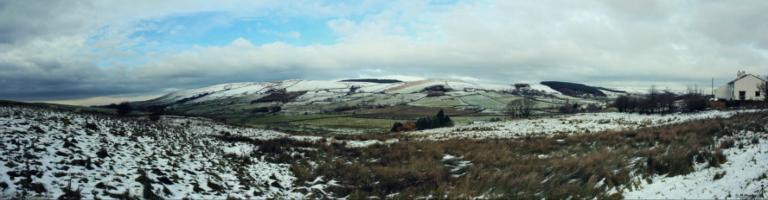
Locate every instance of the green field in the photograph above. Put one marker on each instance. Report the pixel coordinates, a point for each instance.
(334, 123)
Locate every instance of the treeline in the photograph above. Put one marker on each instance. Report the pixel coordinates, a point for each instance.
(121, 109)
(661, 102)
(573, 89)
(372, 80)
(125, 109)
(423, 123)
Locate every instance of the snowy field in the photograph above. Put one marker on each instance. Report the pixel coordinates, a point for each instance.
(568, 124)
(47, 153)
(743, 176)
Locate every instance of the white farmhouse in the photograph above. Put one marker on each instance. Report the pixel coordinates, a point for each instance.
(744, 87)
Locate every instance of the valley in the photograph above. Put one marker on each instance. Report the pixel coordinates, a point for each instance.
(360, 106)
(53, 151)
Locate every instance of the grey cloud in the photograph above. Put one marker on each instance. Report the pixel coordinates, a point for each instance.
(733, 23)
(21, 21)
(614, 43)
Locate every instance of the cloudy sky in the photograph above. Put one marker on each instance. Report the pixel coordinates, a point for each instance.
(85, 48)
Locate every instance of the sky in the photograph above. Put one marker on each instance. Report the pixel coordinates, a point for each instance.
(53, 50)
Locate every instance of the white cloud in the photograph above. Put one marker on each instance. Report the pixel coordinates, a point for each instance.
(614, 43)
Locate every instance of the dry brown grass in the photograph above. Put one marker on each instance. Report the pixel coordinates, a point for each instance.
(557, 167)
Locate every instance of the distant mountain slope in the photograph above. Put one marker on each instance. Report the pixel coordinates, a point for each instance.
(302, 97)
(372, 80)
(580, 90)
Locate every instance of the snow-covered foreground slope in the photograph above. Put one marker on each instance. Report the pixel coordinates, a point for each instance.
(568, 124)
(47, 153)
(744, 175)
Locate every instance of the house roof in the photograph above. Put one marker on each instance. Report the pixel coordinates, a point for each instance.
(744, 76)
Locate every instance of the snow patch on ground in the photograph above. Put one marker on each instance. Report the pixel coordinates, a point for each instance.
(106, 157)
(367, 143)
(456, 164)
(568, 124)
(744, 175)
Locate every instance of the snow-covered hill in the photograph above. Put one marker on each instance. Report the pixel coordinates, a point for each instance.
(50, 154)
(230, 90)
(310, 96)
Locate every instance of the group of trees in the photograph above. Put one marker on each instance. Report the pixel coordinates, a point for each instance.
(122, 109)
(661, 102)
(437, 121)
(428, 122)
(520, 107)
(125, 108)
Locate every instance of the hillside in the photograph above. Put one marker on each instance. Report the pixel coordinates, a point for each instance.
(581, 90)
(69, 153)
(377, 100)
(51, 154)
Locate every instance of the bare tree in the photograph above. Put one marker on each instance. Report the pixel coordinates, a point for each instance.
(763, 88)
(520, 107)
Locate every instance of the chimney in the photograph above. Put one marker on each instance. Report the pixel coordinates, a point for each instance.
(740, 73)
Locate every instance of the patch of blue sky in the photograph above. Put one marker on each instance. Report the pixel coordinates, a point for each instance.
(217, 29)
(179, 33)
(443, 2)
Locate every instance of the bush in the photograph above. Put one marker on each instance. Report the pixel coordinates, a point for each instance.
(123, 108)
(622, 103)
(569, 108)
(717, 159)
(594, 108)
(673, 163)
(695, 102)
(155, 112)
(718, 176)
(402, 127)
(727, 144)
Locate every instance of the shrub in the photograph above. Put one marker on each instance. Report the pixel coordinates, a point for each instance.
(727, 144)
(402, 127)
(71, 193)
(675, 162)
(718, 176)
(622, 103)
(717, 158)
(124, 108)
(593, 108)
(569, 108)
(695, 102)
(155, 112)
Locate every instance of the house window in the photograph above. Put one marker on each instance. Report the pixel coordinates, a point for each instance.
(742, 95)
(757, 93)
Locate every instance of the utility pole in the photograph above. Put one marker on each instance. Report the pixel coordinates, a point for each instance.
(713, 87)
